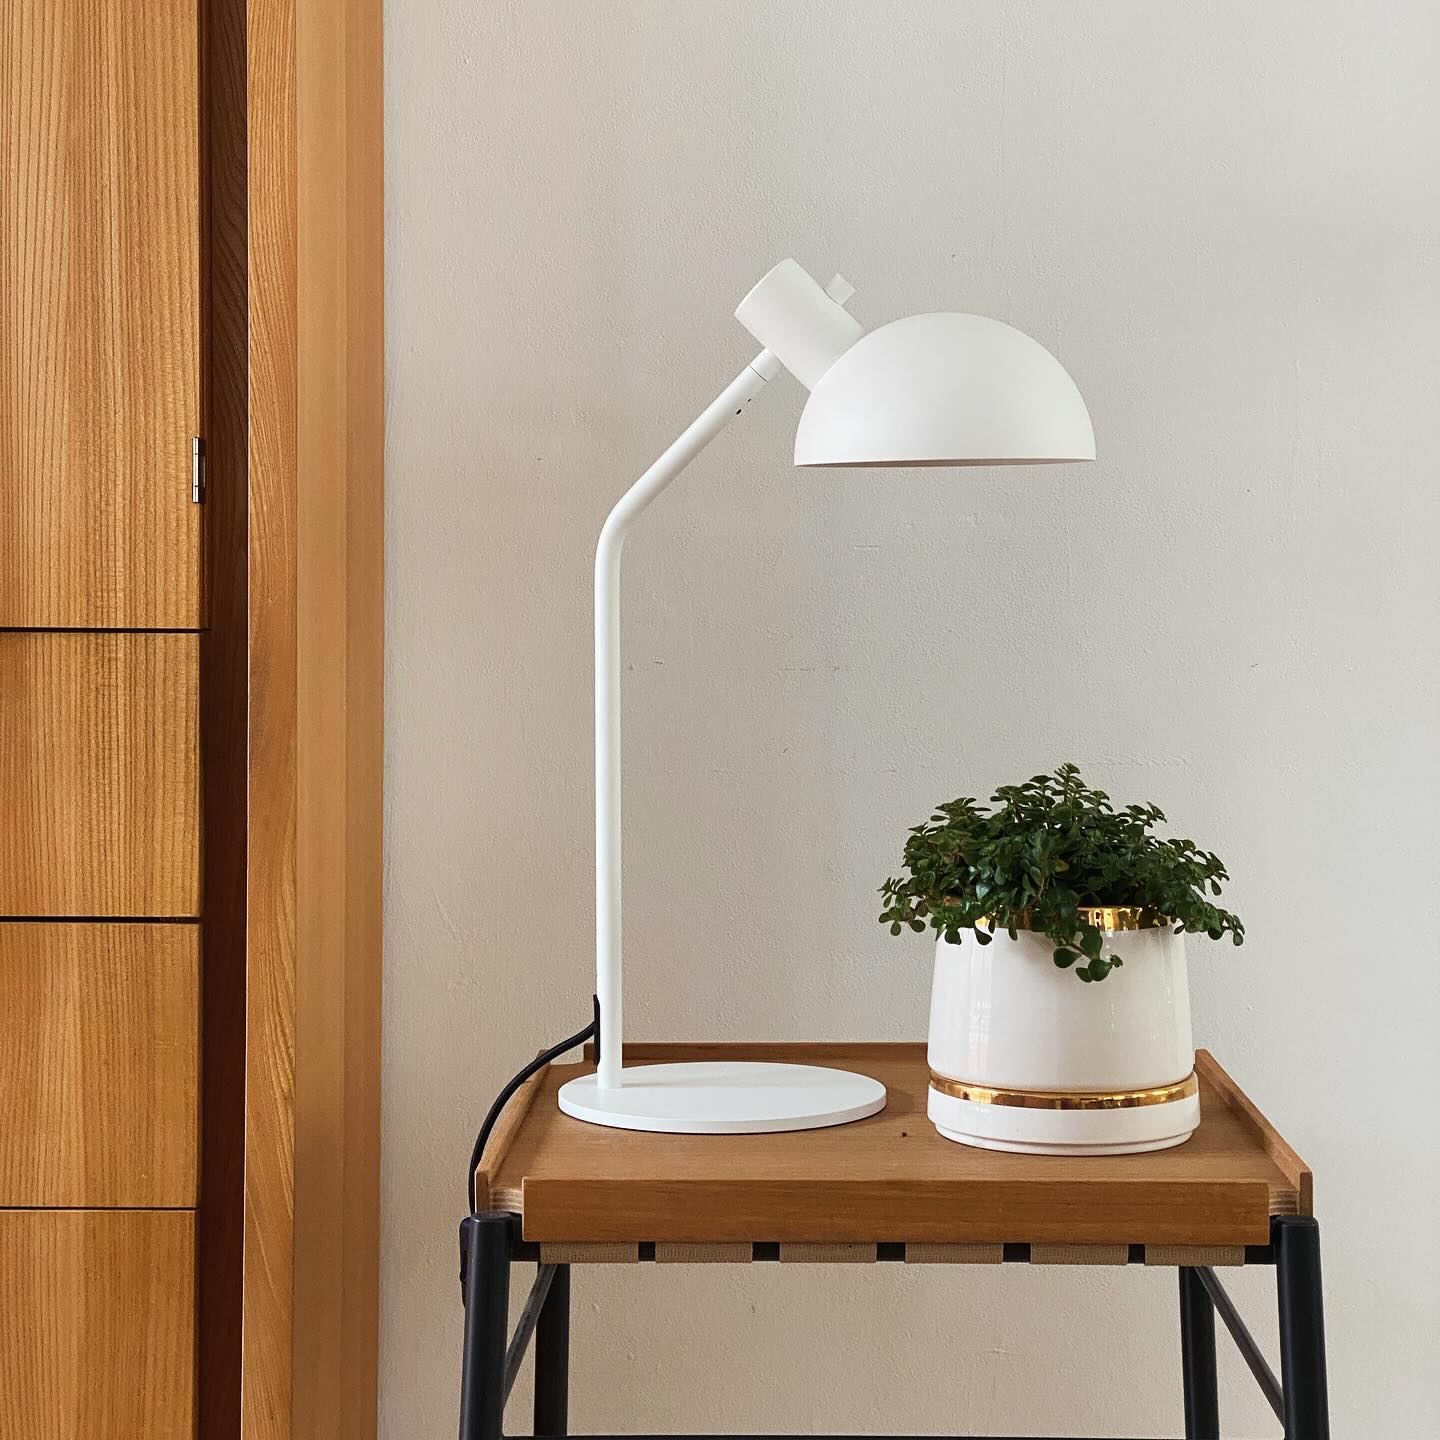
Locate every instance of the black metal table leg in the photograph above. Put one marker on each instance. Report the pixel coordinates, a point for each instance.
(1197, 1358)
(552, 1358)
(485, 1251)
(491, 1360)
(1302, 1328)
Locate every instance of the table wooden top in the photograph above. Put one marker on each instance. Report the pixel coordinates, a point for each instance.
(884, 1179)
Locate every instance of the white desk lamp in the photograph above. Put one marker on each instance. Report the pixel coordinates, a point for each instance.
(944, 389)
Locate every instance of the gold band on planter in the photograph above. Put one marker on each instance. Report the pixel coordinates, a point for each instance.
(1122, 917)
(1102, 917)
(1061, 1100)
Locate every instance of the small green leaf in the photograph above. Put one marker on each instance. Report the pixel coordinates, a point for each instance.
(982, 937)
(1064, 958)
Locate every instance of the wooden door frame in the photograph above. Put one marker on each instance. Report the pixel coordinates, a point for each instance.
(303, 609)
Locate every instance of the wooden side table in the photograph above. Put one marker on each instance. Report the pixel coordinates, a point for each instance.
(557, 1192)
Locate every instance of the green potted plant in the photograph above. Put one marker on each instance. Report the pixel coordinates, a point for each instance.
(1048, 885)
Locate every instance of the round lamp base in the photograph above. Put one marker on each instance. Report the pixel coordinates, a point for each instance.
(713, 1097)
(1126, 1131)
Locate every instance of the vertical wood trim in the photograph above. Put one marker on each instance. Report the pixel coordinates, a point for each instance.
(316, 624)
(340, 613)
(223, 725)
(266, 1382)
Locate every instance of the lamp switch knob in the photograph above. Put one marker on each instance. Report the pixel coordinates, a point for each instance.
(806, 328)
(839, 289)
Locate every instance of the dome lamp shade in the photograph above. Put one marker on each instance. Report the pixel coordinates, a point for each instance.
(944, 389)
(940, 389)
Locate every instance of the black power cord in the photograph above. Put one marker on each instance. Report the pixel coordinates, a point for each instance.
(592, 1030)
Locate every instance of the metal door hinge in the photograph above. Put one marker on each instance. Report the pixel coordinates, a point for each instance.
(197, 471)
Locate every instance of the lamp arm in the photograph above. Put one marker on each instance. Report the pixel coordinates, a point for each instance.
(608, 967)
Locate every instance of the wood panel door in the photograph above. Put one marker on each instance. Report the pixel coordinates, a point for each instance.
(100, 361)
(97, 1324)
(99, 1063)
(99, 774)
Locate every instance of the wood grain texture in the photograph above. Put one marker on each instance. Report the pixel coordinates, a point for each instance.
(340, 624)
(100, 322)
(96, 1324)
(269, 1254)
(316, 608)
(890, 1177)
(99, 1064)
(100, 773)
(507, 1127)
(1295, 1170)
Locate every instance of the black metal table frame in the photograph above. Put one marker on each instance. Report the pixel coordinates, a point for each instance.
(490, 1244)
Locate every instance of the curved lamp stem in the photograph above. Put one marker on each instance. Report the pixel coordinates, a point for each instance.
(608, 970)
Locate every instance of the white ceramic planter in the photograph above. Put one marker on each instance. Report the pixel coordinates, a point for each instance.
(1023, 1056)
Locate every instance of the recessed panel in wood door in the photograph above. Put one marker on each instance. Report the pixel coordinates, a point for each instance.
(97, 1319)
(99, 1063)
(99, 313)
(99, 775)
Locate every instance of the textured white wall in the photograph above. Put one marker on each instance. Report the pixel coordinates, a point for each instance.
(1222, 217)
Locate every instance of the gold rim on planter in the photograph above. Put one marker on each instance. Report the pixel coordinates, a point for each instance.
(1063, 1100)
(1102, 917)
(1122, 917)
